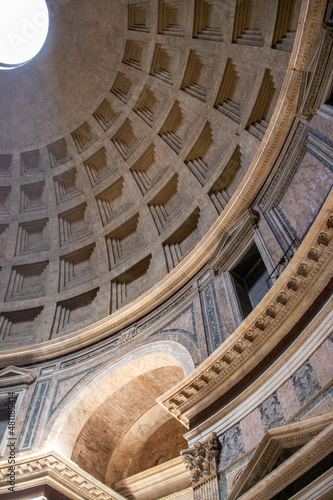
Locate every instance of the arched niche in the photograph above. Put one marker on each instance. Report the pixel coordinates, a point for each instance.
(117, 403)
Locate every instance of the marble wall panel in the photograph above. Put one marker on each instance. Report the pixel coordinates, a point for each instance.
(322, 364)
(324, 406)
(305, 383)
(288, 400)
(315, 405)
(223, 307)
(274, 249)
(183, 323)
(34, 414)
(322, 124)
(252, 430)
(64, 387)
(232, 445)
(271, 413)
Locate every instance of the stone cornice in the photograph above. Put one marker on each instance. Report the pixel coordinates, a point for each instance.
(59, 472)
(309, 26)
(307, 275)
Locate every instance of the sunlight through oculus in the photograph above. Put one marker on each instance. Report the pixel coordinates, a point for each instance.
(23, 30)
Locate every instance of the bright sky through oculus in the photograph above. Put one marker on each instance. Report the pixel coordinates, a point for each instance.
(23, 29)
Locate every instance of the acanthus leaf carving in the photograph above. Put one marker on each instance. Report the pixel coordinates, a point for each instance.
(203, 459)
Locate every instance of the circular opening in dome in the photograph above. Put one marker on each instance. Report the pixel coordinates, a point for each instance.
(24, 26)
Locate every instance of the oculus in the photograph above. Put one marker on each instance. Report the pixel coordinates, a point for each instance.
(24, 26)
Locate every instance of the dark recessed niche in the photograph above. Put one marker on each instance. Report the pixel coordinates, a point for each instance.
(5, 165)
(30, 162)
(58, 152)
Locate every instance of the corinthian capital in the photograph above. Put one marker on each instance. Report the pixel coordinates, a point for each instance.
(203, 459)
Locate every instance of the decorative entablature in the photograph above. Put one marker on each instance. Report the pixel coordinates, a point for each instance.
(307, 275)
(60, 473)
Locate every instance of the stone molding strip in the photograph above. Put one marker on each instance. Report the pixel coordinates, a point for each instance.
(59, 472)
(320, 489)
(309, 26)
(306, 276)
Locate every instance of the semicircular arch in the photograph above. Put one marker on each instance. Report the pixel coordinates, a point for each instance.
(109, 378)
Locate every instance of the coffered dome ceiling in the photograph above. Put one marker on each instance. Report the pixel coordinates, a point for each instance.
(121, 145)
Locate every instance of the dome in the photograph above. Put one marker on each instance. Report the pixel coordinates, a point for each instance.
(121, 148)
